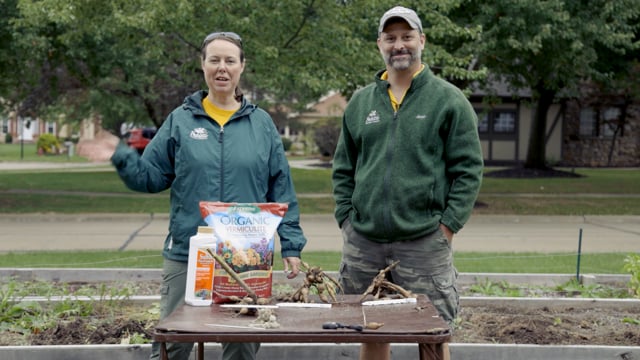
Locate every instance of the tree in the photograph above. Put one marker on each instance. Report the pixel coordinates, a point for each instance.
(550, 47)
(101, 59)
(19, 75)
(135, 60)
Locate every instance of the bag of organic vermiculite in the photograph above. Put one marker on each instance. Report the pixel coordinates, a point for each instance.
(245, 237)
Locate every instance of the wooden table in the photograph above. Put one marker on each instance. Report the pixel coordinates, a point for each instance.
(403, 323)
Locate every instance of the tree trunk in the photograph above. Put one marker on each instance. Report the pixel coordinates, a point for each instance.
(620, 122)
(536, 153)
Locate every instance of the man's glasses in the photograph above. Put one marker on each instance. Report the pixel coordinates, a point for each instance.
(223, 35)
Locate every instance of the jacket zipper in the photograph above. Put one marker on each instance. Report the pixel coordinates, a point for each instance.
(387, 175)
(221, 142)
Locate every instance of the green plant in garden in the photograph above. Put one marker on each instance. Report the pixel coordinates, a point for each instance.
(16, 315)
(501, 289)
(137, 338)
(574, 288)
(629, 320)
(28, 317)
(632, 265)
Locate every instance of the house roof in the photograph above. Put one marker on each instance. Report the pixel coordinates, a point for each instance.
(498, 87)
(330, 105)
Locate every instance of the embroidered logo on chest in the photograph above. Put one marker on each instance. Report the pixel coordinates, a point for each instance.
(199, 134)
(372, 118)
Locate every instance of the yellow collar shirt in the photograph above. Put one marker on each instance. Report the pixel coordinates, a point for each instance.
(221, 116)
(394, 102)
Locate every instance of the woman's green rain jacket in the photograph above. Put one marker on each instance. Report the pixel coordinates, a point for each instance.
(243, 162)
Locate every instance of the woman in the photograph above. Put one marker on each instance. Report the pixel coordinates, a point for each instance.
(216, 146)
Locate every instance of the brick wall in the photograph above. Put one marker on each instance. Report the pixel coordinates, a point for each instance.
(589, 151)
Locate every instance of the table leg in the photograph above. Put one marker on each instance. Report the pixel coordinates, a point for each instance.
(200, 351)
(163, 351)
(434, 351)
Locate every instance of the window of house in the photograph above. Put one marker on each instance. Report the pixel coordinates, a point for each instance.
(496, 121)
(483, 122)
(504, 122)
(5, 126)
(51, 127)
(587, 122)
(610, 117)
(595, 121)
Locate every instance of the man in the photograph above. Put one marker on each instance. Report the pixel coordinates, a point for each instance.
(406, 173)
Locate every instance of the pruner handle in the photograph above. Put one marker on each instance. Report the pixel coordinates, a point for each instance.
(331, 325)
(336, 325)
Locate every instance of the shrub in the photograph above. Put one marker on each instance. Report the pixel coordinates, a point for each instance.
(8, 138)
(325, 135)
(48, 144)
(286, 142)
(632, 265)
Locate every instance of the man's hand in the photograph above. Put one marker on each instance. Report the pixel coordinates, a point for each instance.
(294, 263)
(447, 233)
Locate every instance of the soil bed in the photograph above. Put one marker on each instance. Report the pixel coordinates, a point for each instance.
(499, 324)
(548, 326)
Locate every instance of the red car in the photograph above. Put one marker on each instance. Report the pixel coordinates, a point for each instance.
(139, 138)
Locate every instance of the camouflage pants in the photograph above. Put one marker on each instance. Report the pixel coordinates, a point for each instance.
(174, 283)
(425, 267)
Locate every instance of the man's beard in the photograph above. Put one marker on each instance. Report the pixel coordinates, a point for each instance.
(402, 64)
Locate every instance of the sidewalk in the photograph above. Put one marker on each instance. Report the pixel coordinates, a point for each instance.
(486, 233)
(29, 165)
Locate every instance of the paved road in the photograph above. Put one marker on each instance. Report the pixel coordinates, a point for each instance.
(486, 233)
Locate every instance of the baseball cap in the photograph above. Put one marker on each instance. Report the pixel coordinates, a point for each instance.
(407, 15)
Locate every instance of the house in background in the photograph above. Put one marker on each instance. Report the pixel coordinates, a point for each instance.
(580, 133)
(20, 128)
(329, 106)
(28, 129)
(595, 131)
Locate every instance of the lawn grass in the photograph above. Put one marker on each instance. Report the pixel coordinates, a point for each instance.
(83, 203)
(598, 192)
(592, 181)
(318, 181)
(28, 152)
(25, 203)
(107, 180)
(557, 205)
(468, 262)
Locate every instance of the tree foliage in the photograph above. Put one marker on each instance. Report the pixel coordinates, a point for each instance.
(135, 60)
(18, 75)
